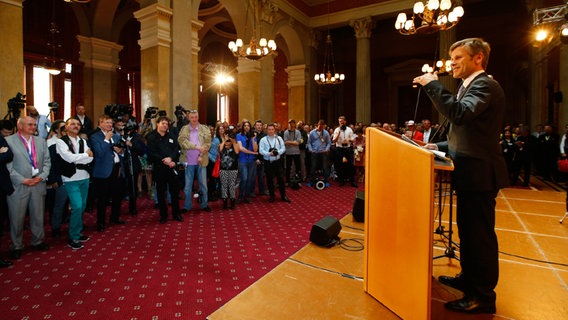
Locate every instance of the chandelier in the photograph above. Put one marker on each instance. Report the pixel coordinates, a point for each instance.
(51, 65)
(431, 17)
(442, 66)
(78, 1)
(329, 75)
(257, 48)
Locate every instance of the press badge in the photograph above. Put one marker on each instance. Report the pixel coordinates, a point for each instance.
(171, 140)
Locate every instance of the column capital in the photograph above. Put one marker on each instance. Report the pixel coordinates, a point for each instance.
(17, 3)
(362, 27)
(99, 54)
(155, 26)
(296, 75)
(196, 25)
(245, 65)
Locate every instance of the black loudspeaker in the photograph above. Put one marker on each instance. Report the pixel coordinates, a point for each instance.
(359, 206)
(324, 232)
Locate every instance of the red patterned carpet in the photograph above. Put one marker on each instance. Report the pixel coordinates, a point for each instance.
(179, 270)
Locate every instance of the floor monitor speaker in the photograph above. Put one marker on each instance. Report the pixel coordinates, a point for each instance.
(359, 206)
(324, 232)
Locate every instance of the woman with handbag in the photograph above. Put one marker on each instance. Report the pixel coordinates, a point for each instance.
(213, 183)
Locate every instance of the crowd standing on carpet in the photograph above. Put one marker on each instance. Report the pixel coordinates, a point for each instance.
(69, 167)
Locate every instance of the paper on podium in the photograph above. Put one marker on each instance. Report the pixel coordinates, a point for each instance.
(440, 155)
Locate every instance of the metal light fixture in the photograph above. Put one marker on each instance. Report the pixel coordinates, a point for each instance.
(52, 67)
(431, 17)
(329, 74)
(258, 47)
(548, 19)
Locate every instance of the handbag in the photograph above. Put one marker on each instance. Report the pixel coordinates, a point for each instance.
(563, 165)
(216, 168)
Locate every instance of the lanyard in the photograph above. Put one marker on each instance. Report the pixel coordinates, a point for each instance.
(32, 152)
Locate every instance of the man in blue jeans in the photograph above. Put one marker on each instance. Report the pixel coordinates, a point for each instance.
(195, 141)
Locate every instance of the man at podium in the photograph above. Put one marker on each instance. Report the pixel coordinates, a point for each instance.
(476, 118)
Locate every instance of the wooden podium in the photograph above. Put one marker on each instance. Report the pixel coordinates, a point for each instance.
(399, 217)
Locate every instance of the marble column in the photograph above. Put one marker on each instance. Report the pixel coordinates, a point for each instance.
(265, 110)
(156, 59)
(101, 61)
(447, 38)
(11, 51)
(363, 29)
(297, 92)
(249, 89)
(539, 66)
(185, 48)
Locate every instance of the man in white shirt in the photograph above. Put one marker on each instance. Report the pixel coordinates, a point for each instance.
(271, 148)
(343, 137)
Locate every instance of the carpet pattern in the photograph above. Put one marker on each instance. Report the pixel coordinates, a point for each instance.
(178, 270)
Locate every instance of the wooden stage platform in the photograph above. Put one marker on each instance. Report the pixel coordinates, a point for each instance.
(326, 283)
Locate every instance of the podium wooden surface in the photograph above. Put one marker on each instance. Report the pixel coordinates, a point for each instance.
(399, 206)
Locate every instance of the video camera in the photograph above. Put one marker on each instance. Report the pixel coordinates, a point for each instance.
(116, 111)
(181, 119)
(53, 106)
(151, 113)
(231, 132)
(15, 105)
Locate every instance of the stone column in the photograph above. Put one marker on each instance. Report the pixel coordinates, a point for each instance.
(184, 48)
(195, 71)
(101, 61)
(156, 59)
(297, 92)
(363, 29)
(539, 65)
(265, 110)
(447, 38)
(11, 51)
(249, 89)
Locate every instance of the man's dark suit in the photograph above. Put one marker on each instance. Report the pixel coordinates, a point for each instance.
(480, 171)
(106, 177)
(6, 187)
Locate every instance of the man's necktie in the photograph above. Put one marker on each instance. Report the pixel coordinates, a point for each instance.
(461, 90)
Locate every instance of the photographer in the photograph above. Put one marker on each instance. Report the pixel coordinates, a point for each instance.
(163, 154)
(133, 146)
(272, 147)
(43, 124)
(343, 137)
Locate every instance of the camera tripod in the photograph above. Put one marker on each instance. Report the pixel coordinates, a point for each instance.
(447, 234)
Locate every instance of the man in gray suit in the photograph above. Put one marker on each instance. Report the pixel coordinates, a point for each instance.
(28, 172)
(476, 118)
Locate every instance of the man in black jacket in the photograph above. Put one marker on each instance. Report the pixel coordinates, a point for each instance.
(6, 187)
(163, 153)
(476, 117)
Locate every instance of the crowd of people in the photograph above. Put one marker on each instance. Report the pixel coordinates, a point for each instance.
(67, 168)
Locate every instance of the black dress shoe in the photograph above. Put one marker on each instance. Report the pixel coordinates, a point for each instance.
(15, 254)
(456, 282)
(134, 213)
(5, 264)
(207, 209)
(271, 199)
(55, 233)
(118, 221)
(163, 220)
(285, 199)
(42, 246)
(178, 218)
(354, 184)
(469, 304)
(100, 227)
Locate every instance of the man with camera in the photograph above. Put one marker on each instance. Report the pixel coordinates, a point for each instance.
(107, 170)
(343, 137)
(132, 146)
(163, 154)
(272, 147)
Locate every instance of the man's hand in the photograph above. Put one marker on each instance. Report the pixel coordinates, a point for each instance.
(425, 78)
(430, 146)
(3, 149)
(109, 135)
(89, 153)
